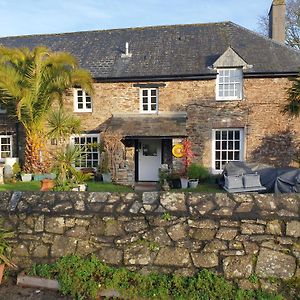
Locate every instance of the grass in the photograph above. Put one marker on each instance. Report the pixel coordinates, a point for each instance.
(92, 187)
(202, 188)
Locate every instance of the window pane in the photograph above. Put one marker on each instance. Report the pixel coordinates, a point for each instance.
(145, 92)
(218, 155)
(80, 99)
(236, 145)
(236, 155)
(80, 105)
(79, 92)
(88, 105)
(230, 155)
(153, 92)
(218, 165)
(218, 145)
(224, 145)
(224, 135)
(237, 135)
(224, 155)
(230, 135)
(218, 135)
(230, 145)
(153, 107)
(145, 107)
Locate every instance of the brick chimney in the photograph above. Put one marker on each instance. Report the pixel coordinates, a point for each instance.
(277, 21)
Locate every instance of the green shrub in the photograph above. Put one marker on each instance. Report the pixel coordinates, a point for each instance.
(82, 278)
(196, 171)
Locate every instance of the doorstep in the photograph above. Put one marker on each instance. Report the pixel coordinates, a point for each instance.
(148, 186)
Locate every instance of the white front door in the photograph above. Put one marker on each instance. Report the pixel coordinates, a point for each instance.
(149, 159)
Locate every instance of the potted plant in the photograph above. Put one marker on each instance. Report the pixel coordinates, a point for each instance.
(26, 177)
(5, 249)
(195, 173)
(187, 159)
(81, 178)
(104, 169)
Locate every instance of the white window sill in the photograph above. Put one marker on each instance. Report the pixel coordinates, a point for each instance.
(83, 110)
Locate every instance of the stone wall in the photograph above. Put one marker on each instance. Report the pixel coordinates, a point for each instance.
(236, 235)
(270, 136)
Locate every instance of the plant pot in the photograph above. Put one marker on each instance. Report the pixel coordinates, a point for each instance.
(106, 177)
(47, 184)
(82, 187)
(2, 266)
(184, 182)
(8, 166)
(193, 183)
(26, 177)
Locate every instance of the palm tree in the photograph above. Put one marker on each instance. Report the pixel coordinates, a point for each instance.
(30, 83)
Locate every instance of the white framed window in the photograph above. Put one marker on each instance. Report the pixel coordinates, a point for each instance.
(229, 84)
(149, 100)
(88, 144)
(5, 146)
(82, 101)
(228, 145)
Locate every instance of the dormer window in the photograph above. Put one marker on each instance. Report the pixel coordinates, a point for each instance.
(149, 100)
(82, 101)
(229, 84)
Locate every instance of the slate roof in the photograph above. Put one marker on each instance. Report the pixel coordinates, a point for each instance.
(166, 51)
(137, 125)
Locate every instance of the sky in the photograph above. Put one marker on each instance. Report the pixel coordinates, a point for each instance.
(23, 17)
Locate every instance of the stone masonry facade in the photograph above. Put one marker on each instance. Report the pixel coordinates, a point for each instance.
(237, 235)
(270, 136)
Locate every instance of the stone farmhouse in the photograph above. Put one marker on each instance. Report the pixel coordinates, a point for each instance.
(219, 84)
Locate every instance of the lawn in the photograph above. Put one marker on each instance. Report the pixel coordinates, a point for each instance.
(92, 187)
(202, 188)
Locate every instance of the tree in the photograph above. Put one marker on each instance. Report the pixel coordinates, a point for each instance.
(293, 105)
(31, 82)
(292, 24)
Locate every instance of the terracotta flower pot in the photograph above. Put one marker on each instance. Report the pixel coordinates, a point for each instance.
(2, 266)
(47, 184)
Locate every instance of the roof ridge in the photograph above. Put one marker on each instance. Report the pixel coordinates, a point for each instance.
(116, 29)
(266, 38)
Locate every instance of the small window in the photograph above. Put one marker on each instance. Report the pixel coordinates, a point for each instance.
(88, 144)
(149, 100)
(82, 101)
(227, 146)
(5, 146)
(229, 84)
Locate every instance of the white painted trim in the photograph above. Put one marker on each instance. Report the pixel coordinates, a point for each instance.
(10, 144)
(242, 146)
(229, 98)
(75, 101)
(148, 111)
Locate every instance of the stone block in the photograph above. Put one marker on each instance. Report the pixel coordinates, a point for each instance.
(205, 260)
(173, 201)
(275, 264)
(63, 245)
(177, 232)
(138, 254)
(208, 224)
(135, 225)
(202, 234)
(293, 229)
(226, 233)
(247, 228)
(215, 246)
(110, 255)
(237, 266)
(172, 256)
(55, 225)
(274, 227)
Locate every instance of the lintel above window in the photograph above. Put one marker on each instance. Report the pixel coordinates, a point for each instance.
(82, 101)
(149, 85)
